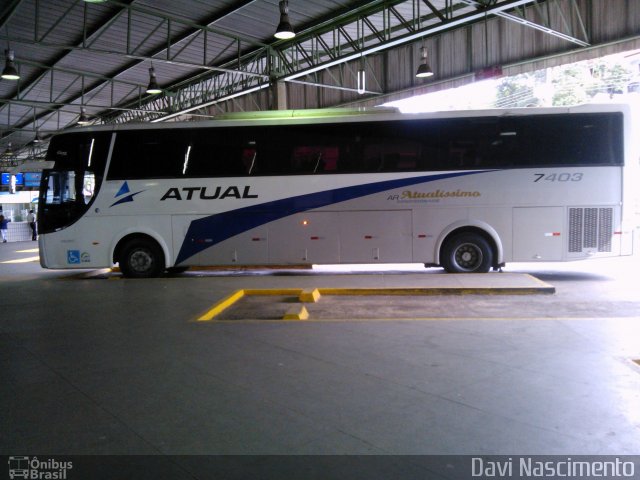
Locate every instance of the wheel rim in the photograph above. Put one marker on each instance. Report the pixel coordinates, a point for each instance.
(141, 261)
(468, 257)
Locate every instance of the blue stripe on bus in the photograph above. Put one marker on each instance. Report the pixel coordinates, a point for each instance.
(209, 231)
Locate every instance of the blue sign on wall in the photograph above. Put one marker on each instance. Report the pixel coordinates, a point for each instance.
(6, 179)
(32, 179)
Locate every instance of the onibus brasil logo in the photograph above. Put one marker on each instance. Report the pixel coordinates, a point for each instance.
(34, 468)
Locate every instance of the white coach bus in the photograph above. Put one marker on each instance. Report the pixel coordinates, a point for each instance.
(467, 191)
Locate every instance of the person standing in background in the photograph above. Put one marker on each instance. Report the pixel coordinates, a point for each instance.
(31, 218)
(3, 228)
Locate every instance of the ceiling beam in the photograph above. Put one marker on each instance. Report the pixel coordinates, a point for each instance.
(530, 24)
(8, 11)
(126, 7)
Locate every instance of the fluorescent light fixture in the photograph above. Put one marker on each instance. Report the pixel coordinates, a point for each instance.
(83, 119)
(153, 88)
(284, 30)
(424, 70)
(10, 72)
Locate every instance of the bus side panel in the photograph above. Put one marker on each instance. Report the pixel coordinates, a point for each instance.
(537, 234)
(372, 237)
(247, 248)
(82, 245)
(308, 237)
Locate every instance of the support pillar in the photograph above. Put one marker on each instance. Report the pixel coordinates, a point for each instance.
(279, 95)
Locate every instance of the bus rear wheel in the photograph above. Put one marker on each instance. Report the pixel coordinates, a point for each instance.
(141, 258)
(467, 253)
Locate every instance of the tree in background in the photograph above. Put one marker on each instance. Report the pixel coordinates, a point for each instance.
(565, 85)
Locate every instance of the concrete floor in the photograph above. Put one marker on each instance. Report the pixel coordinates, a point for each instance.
(121, 367)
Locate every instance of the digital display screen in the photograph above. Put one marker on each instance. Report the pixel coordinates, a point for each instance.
(32, 179)
(6, 178)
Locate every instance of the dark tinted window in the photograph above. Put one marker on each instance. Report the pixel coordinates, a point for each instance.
(408, 145)
(68, 190)
(148, 154)
(80, 152)
(595, 139)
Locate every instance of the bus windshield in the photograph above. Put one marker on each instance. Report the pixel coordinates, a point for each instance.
(68, 189)
(62, 187)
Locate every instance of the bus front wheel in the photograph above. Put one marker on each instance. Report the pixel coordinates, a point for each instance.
(140, 258)
(467, 253)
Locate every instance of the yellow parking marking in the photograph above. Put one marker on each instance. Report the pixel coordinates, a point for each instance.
(438, 291)
(222, 305)
(313, 295)
(23, 260)
(30, 250)
(296, 313)
(309, 296)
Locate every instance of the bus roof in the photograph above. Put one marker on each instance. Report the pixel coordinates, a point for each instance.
(339, 115)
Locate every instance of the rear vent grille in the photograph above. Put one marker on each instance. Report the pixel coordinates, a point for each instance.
(590, 229)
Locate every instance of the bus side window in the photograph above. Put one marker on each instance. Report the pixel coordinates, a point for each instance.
(216, 152)
(331, 156)
(391, 156)
(249, 160)
(88, 187)
(148, 154)
(314, 159)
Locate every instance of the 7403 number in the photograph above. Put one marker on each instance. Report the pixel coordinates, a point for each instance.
(558, 177)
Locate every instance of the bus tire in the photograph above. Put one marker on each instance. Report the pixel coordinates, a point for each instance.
(467, 253)
(141, 258)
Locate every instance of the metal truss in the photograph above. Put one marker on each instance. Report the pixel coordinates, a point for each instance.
(375, 27)
(239, 65)
(165, 42)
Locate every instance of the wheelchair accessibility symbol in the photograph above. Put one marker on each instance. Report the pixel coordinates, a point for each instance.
(73, 257)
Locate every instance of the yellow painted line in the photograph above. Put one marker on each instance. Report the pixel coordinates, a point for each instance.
(221, 306)
(23, 260)
(296, 313)
(312, 295)
(407, 291)
(436, 291)
(225, 303)
(31, 250)
(538, 281)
